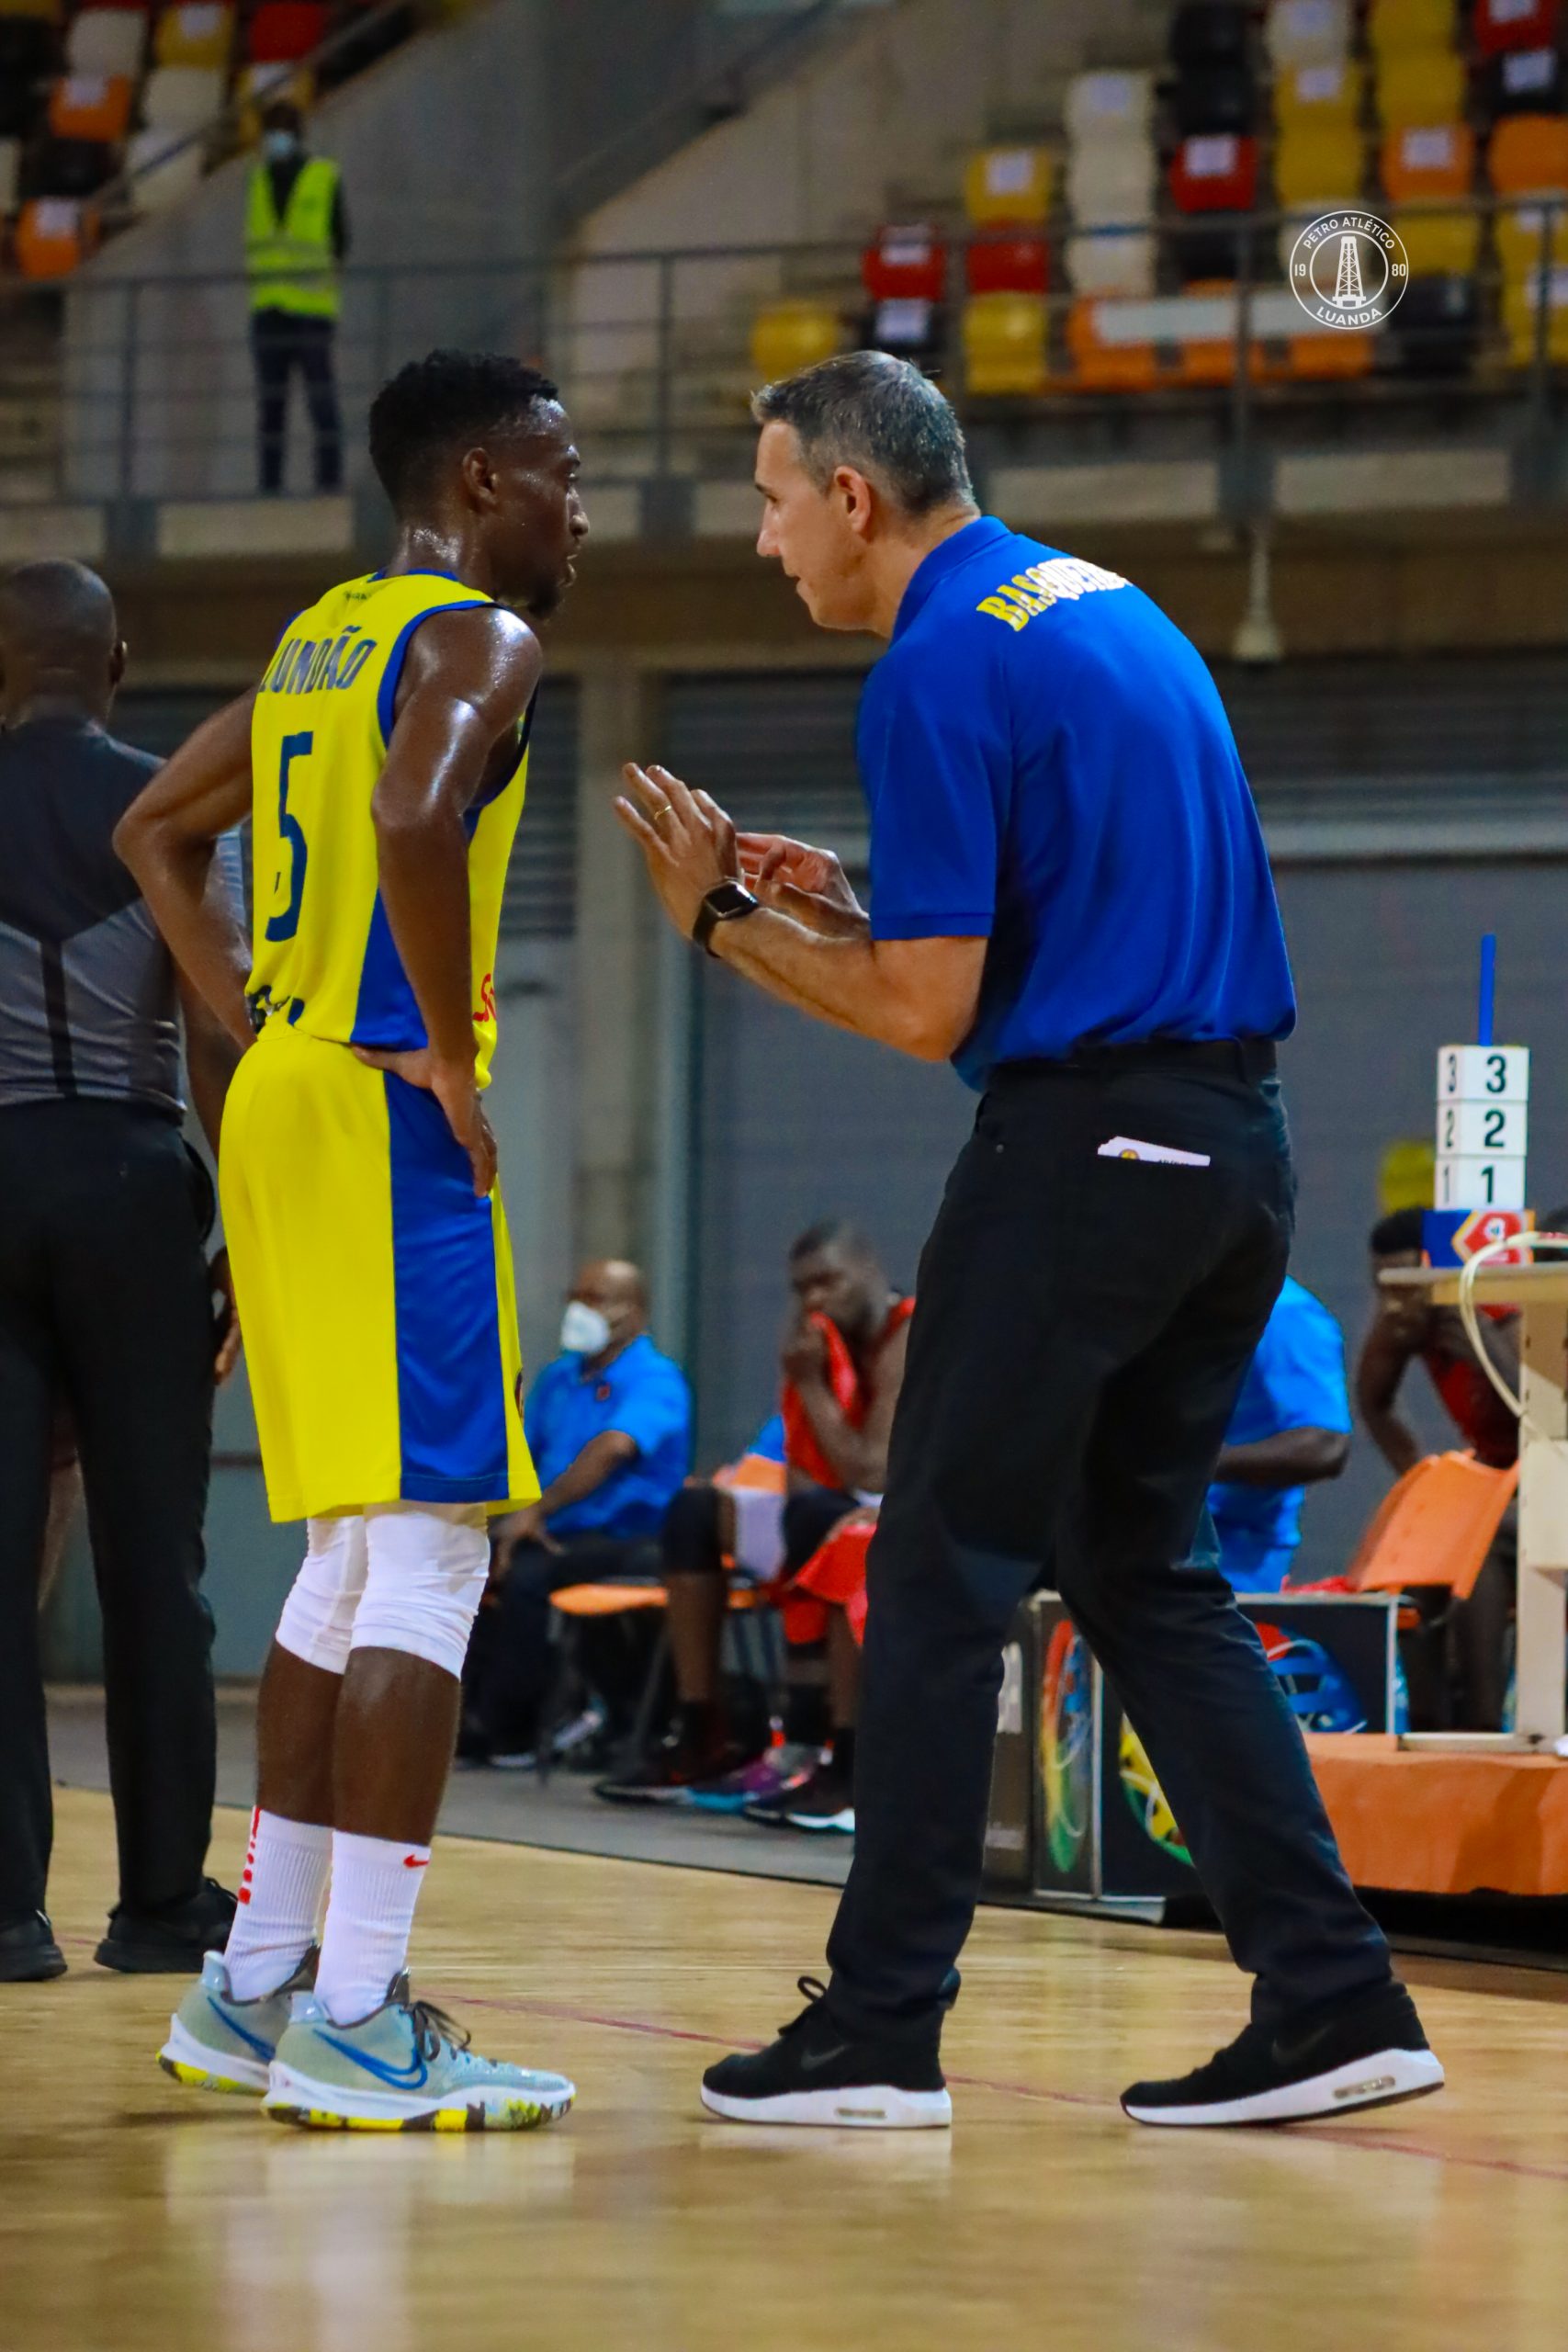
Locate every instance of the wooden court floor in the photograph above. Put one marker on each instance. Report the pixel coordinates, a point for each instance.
(136, 2217)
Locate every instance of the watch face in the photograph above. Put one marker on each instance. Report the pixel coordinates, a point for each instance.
(730, 900)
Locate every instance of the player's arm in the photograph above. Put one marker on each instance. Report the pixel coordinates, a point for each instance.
(1379, 1372)
(469, 679)
(168, 838)
(917, 995)
(859, 1457)
(1298, 1457)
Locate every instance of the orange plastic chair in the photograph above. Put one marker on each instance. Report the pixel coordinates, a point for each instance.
(1102, 367)
(1428, 161)
(1528, 154)
(52, 236)
(95, 106)
(1326, 359)
(1205, 359)
(1434, 1528)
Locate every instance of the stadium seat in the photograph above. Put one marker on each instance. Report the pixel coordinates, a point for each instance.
(1317, 166)
(1427, 85)
(1307, 32)
(1101, 365)
(1110, 262)
(905, 265)
(788, 335)
(1436, 328)
(1004, 345)
(106, 41)
(1327, 92)
(1214, 175)
(1007, 187)
(195, 32)
(1498, 24)
(1208, 32)
(1007, 265)
(283, 31)
(70, 167)
(1112, 187)
(36, 12)
(1211, 359)
(1429, 162)
(1440, 244)
(166, 165)
(10, 174)
(1410, 24)
(1521, 317)
(182, 98)
(1326, 359)
(1523, 80)
(1434, 1527)
(1224, 99)
(1528, 154)
(91, 107)
(1522, 232)
(909, 327)
(1109, 106)
(52, 236)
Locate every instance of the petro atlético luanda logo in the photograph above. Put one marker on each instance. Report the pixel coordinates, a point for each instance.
(1349, 270)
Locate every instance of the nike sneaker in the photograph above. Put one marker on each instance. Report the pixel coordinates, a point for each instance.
(778, 1773)
(815, 2072)
(170, 1941)
(406, 2067)
(1365, 2052)
(220, 2045)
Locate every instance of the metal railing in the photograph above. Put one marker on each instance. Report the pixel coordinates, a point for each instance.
(653, 353)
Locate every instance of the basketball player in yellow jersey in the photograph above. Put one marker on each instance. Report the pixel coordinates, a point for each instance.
(383, 760)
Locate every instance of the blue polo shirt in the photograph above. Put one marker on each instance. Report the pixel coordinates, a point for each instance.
(1296, 1380)
(643, 1395)
(1049, 767)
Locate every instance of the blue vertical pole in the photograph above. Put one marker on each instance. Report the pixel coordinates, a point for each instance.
(1485, 1018)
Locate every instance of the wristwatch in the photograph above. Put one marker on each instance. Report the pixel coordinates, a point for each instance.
(728, 903)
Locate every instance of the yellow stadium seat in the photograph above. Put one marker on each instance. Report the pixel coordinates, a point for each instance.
(1003, 185)
(1326, 92)
(1419, 85)
(49, 12)
(1004, 345)
(1440, 244)
(788, 335)
(1521, 313)
(1411, 23)
(1521, 232)
(195, 32)
(1318, 165)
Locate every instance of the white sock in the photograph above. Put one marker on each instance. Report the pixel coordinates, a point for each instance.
(375, 1884)
(281, 1888)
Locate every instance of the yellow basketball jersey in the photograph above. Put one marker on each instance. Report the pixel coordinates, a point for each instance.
(323, 957)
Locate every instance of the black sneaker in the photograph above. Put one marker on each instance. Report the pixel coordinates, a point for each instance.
(774, 1810)
(671, 1770)
(814, 2074)
(826, 1802)
(170, 1942)
(1365, 2052)
(29, 1954)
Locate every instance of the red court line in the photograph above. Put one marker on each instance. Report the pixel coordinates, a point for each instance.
(1380, 2142)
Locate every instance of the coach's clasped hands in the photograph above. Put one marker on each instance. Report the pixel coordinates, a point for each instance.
(687, 842)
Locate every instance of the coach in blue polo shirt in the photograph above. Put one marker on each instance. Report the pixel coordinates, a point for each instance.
(1069, 897)
(1290, 1429)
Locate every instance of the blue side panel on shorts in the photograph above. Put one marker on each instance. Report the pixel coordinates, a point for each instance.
(451, 1395)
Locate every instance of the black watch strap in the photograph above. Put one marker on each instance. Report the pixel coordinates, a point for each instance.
(729, 903)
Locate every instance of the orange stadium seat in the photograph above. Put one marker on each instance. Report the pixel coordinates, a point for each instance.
(1211, 359)
(1528, 154)
(1005, 344)
(1434, 1527)
(52, 236)
(1326, 359)
(91, 107)
(1102, 365)
(1427, 163)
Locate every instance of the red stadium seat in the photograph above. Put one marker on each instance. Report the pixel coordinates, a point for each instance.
(906, 266)
(1217, 174)
(284, 31)
(1015, 264)
(1514, 24)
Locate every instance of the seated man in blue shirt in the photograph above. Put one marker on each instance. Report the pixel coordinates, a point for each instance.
(609, 1423)
(1291, 1427)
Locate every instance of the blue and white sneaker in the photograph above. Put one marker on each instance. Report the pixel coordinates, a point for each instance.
(406, 2067)
(220, 2045)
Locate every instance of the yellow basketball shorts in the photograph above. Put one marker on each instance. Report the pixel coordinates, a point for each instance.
(375, 1291)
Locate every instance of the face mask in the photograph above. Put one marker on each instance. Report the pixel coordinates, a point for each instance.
(584, 1331)
(277, 146)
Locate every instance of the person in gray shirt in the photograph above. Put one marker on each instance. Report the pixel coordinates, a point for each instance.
(110, 1318)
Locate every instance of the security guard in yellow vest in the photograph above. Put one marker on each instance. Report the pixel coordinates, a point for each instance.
(296, 242)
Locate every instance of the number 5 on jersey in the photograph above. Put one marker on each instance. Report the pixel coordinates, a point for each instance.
(292, 839)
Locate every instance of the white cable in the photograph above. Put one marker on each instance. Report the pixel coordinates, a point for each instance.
(1470, 1315)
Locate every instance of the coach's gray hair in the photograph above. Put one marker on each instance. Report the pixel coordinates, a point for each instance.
(879, 414)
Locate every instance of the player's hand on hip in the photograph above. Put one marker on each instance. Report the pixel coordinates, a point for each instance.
(688, 843)
(456, 1089)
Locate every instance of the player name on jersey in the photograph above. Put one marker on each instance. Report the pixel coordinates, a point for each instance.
(1482, 1126)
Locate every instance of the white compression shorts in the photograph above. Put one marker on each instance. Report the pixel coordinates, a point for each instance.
(401, 1576)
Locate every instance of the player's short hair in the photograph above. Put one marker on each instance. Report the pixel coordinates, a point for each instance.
(1403, 1231)
(445, 403)
(840, 1233)
(879, 414)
